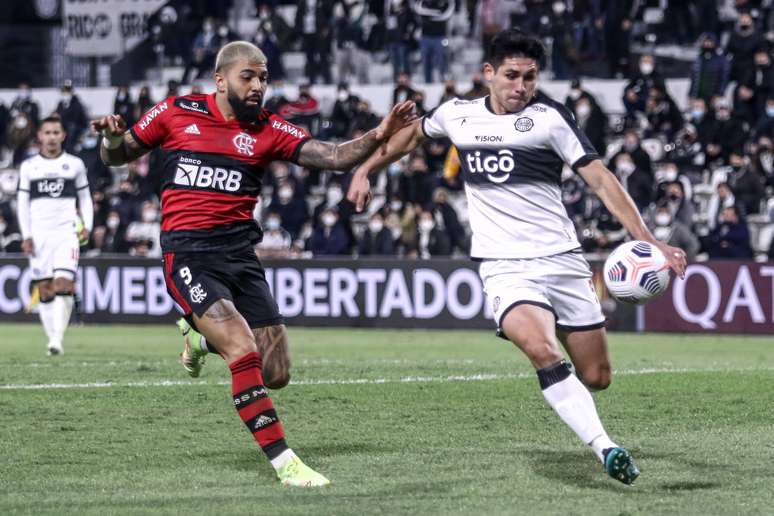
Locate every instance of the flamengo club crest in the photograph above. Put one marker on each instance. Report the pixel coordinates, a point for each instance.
(244, 143)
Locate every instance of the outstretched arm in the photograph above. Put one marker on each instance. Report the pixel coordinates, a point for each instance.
(118, 146)
(344, 156)
(401, 143)
(621, 205)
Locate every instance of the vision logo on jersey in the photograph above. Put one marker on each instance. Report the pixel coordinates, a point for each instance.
(196, 176)
(244, 143)
(54, 188)
(153, 113)
(496, 167)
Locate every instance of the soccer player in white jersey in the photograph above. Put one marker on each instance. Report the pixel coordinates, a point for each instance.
(513, 145)
(49, 184)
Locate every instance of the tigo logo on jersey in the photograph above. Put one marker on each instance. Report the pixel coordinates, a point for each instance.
(153, 113)
(50, 187)
(208, 177)
(483, 162)
(244, 143)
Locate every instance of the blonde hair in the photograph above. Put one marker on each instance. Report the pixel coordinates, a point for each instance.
(235, 50)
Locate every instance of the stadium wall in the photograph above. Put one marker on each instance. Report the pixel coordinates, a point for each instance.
(716, 297)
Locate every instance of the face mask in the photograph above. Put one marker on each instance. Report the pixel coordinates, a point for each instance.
(121, 96)
(396, 206)
(697, 114)
(20, 122)
(708, 53)
(646, 68)
(223, 32)
(285, 194)
(583, 110)
(273, 224)
(625, 167)
(663, 219)
(343, 95)
(113, 222)
(559, 8)
(661, 233)
(334, 195)
(25, 94)
(208, 27)
(631, 146)
(425, 225)
(396, 233)
(574, 94)
(328, 220)
(149, 215)
(67, 97)
(375, 226)
(770, 111)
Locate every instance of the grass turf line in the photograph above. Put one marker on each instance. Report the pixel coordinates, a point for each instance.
(702, 439)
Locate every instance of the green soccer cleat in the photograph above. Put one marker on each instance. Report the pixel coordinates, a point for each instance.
(297, 474)
(620, 465)
(192, 356)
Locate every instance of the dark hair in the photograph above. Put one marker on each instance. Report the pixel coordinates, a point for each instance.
(514, 43)
(52, 119)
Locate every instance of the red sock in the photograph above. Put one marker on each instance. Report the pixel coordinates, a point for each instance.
(252, 401)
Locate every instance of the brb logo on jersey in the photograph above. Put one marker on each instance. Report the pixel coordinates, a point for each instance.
(244, 143)
(496, 166)
(191, 173)
(54, 188)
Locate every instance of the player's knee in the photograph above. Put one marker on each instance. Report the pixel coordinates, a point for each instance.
(541, 352)
(597, 378)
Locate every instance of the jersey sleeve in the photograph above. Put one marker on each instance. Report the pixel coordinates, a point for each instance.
(434, 122)
(288, 139)
(23, 201)
(569, 141)
(81, 178)
(153, 126)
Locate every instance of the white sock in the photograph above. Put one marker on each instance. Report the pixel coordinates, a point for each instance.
(203, 345)
(46, 312)
(283, 458)
(62, 306)
(574, 404)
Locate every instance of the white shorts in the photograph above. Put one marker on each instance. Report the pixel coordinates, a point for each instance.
(562, 284)
(56, 255)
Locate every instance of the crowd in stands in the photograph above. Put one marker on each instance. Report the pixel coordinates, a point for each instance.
(702, 179)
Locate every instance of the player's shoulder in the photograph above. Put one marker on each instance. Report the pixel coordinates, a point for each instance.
(276, 123)
(191, 103)
(458, 105)
(72, 158)
(551, 108)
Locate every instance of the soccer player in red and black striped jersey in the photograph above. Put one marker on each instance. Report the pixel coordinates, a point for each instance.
(215, 149)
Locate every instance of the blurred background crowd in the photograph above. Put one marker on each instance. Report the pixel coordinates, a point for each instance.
(703, 177)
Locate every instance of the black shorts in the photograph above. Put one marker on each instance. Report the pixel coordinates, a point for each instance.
(196, 280)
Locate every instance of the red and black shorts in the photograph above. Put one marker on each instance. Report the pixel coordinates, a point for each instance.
(196, 280)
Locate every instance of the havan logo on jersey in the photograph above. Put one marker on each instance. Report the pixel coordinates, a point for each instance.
(292, 131)
(191, 173)
(496, 166)
(153, 113)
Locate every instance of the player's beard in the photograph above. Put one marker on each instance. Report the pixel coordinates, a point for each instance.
(243, 111)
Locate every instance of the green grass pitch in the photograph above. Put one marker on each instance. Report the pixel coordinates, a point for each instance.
(402, 422)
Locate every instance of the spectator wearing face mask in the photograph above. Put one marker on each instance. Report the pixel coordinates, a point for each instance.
(330, 237)
(709, 73)
(377, 239)
(276, 240)
(143, 235)
(746, 183)
(431, 241)
(674, 232)
(703, 121)
(123, 105)
(679, 204)
(446, 213)
(763, 160)
(110, 239)
(744, 40)
(73, 115)
(765, 127)
(416, 183)
(344, 111)
(205, 48)
(637, 91)
(23, 103)
(687, 152)
(291, 209)
(638, 182)
(728, 133)
(731, 237)
(720, 200)
(631, 146)
(592, 122)
(664, 117)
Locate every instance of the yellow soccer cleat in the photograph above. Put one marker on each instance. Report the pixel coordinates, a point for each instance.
(297, 474)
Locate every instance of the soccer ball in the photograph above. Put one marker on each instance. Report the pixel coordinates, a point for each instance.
(636, 272)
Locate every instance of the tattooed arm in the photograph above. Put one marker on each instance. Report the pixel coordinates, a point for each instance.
(344, 156)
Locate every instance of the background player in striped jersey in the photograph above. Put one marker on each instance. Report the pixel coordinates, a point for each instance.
(49, 184)
(214, 149)
(513, 145)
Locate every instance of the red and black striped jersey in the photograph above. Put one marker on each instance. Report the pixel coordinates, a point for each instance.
(212, 170)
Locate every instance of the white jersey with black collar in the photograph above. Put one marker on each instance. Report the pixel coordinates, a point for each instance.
(512, 165)
(48, 188)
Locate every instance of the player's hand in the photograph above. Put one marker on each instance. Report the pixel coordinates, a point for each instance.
(359, 192)
(28, 247)
(111, 126)
(675, 256)
(83, 236)
(399, 117)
